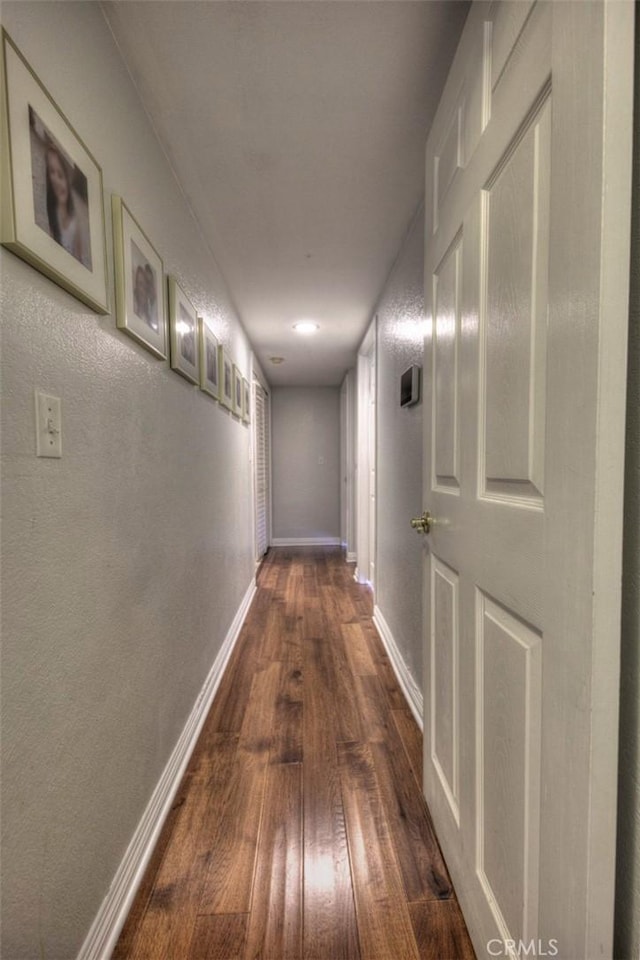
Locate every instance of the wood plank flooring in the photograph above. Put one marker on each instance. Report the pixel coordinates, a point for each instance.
(299, 831)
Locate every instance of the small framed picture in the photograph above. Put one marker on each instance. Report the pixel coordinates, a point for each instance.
(237, 392)
(183, 329)
(51, 186)
(209, 365)
(226, 379)
(246, 401)
(139, 282)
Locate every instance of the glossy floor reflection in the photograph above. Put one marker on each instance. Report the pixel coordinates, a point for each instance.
(300, 830)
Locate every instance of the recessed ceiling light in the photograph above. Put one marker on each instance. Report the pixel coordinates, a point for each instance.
(306, 326)
(276, 360)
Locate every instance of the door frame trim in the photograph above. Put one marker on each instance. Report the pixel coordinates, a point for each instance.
(364, 521)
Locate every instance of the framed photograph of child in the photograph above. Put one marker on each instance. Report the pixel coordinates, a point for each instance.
(246, 401)
(139, 282)
(209, 365)
(226, 379)
(183, 330)
(51, 186)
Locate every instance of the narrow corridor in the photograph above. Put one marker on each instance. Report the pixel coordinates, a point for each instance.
(300, 830)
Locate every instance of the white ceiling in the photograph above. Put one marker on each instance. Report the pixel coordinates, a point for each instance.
(297, 130)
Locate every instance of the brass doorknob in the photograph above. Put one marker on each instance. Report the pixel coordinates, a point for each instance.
(422, 524)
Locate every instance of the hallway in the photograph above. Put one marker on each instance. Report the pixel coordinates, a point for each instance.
(299, 829)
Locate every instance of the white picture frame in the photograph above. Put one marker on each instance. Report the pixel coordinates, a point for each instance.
(236, 405)
(139, 275)
(246, 401)
(183, 333)
(51, 186)
(209, 362)
(226, 379)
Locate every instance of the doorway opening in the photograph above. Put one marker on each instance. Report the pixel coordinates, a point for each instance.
(261, 469)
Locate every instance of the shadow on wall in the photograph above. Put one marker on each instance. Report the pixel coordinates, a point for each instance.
(627, 917)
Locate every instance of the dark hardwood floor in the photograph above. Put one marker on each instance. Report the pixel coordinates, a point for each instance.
(300, 830)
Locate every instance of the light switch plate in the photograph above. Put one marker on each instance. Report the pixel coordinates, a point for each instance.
(48, 426)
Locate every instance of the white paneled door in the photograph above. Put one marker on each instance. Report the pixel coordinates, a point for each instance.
(526, 277)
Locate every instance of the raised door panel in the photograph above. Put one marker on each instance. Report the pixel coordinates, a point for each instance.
(508, 719)
(461, 120)
(514, 316)
(445, 371)
(507, 23)
(449, 158)
(444, 680)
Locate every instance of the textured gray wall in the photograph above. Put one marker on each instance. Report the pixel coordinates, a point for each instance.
(305, 429)
(627, 925)
(399, 465)
(124, 563)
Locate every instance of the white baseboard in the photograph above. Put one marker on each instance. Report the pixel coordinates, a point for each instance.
(357, 576)
(111, 916)
(351, 556)
(305, 541)
(410, 688)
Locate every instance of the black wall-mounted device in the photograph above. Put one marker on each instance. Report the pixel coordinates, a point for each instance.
(410, 386)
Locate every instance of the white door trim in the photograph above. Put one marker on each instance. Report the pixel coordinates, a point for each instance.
(257, 382)
(365, 523)
(348, 485)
